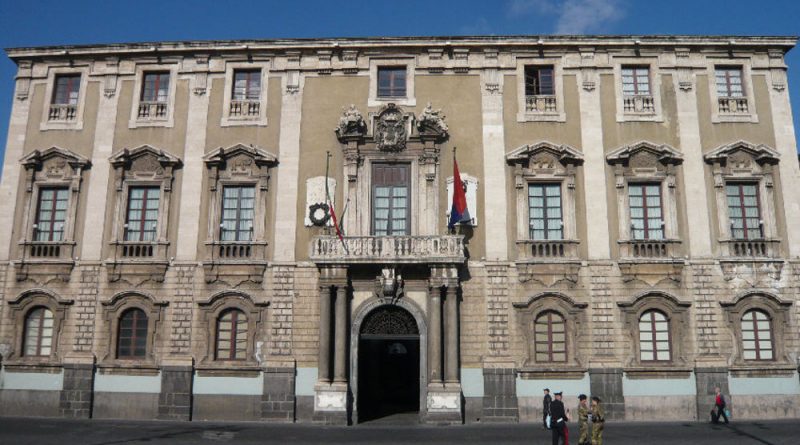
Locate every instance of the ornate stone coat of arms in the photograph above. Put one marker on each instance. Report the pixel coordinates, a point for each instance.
(390, 129)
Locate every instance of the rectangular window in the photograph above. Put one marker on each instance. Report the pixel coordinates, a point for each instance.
(238, 213)
(744, 211)
(155, 87)
(391, 81)
(646, 215)
(545, 216)
(142, 218)
(539, 81)
(66, 89)
(246, 85)
(729, 82)
(51, 214)
(390, 203)
(635, 81)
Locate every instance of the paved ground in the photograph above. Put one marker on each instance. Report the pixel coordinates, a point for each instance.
(31, 431)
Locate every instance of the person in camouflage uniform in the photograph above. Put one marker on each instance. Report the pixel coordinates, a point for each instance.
(598, 421)
(583, 420)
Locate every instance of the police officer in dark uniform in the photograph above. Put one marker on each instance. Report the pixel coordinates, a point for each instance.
(558, 420)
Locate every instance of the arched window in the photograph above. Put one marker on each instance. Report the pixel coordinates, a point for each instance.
(550, 337)
(756, 335)
(654, 341)
(132, 335)
(232, 335)
(38, 341)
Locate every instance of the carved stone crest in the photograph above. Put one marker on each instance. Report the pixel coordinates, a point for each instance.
(390, 129)
(147, 164)
(351, 123)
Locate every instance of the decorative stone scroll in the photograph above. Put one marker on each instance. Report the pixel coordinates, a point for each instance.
(431, 121)
(351, 123)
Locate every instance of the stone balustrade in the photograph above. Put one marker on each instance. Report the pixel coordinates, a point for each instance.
(733, 105)
(62, 112)
(245, 108)
(152, 110)
(388, 249)
(540, 104)
(48, 250)
(132, 250)
(547, 249)
(643, 104)
(236, 251)
(663, 249)
(764, 248)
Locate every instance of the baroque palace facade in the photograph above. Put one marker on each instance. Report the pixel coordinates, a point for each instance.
(167, 250)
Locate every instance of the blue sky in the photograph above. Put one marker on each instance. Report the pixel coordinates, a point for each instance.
(50, 22)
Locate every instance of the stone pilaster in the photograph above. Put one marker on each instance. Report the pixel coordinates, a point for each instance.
(278, 402)
(85, 309)
(77, 393)
(497, 309)
(175, 399)
(280, 338)
(606, 383)
(500, 395)
(707, 379)
(494, 166)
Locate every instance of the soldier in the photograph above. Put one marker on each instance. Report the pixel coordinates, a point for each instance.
(558, 420)
(583, 420)
(546, 407)
(598, 421)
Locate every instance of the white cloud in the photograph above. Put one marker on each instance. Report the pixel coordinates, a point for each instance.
(573, 16)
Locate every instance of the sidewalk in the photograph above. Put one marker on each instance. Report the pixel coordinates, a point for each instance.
(37, 431)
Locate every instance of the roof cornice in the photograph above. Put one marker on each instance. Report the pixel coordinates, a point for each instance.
(200, 46)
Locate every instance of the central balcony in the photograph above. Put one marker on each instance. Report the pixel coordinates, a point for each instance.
(388, 249)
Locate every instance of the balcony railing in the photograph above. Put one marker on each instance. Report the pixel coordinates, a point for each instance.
(764, 248)
(733, 105)
(658, 249)
(140, 250)
(152, 110)
(388, 249)
(540, 104)
(547, 249)
(245, 108)
(47, 250)
(642, 104)
(236, 251)
(62, 112)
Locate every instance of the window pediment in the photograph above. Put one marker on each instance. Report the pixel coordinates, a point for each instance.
(241, 161)
(743, 157)
(145, 161)
(545, 156)
(54, 164)
(645, 156)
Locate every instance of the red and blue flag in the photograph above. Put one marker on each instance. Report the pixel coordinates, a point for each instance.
(459, 213)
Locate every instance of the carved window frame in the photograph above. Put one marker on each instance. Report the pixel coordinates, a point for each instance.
(410, 63)
(747, 83)
(232, 66)
(558, 79)
(113, 309)
(743, 162)
(213, 308)
(779, 313)
(141, 69)
(76, 124)
(256, 172)
(545, 162)
(678, 317)
(20, 308)
(646, 162)
(129, 173)
(654, 73)
(54, 167)
(575, 317)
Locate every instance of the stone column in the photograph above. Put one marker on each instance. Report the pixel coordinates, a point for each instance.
(17, 127)
(324, 334)
(340, 351)
(451, 335)
(435, 335)
(594, 167)
(693, 166)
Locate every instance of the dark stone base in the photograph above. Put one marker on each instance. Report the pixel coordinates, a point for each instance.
(77, 393)
(304, 409)
(473, 409)
(606, 383)
(707, 379)
(452, 418)
(119, 405)
(175, 400)
(500, 396)
(278, 403)
(331, 418)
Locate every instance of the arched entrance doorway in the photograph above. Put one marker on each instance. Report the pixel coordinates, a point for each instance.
(388, 364)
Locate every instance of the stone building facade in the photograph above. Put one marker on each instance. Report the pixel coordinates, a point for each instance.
(168, 249)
